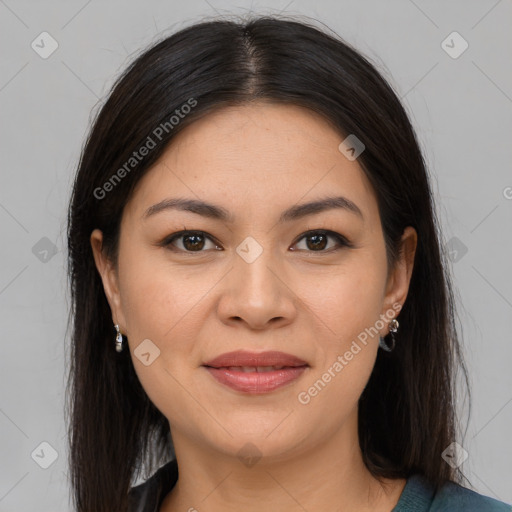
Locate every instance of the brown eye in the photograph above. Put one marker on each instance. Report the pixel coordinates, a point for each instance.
(317, 241)
(189, 241)
(193, 242)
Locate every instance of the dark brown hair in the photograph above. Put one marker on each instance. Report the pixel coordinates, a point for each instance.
(407, 412)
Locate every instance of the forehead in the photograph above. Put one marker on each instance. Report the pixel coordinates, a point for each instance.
(252, 155)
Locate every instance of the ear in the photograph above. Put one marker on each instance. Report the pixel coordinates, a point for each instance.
(400, 277)
(109, 278)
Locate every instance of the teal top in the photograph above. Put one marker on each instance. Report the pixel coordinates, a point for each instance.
(418, 495)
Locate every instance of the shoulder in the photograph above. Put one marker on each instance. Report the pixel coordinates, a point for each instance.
(148, 496)
(454, 497)
(419, 496)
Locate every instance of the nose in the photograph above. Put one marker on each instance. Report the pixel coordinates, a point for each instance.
(257, 295)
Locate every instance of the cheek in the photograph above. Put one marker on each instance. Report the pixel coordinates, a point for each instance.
(162, 305)
(168, 306)
(348, 302)
(348, 305)
(347, 299)
(156, 298)
(335, 390)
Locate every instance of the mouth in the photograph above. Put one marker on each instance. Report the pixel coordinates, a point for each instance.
(252, 369)
(246, 359)
(256, 373)
(257, 380)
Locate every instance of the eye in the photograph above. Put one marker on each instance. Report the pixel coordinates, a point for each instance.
(318, 241)
(189, 241)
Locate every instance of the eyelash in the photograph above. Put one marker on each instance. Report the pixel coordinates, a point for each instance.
(341, 240)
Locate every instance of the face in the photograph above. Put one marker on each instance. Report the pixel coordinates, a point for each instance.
(309, 283)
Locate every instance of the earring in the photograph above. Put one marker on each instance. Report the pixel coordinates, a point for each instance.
(393, 327)
(119, 339)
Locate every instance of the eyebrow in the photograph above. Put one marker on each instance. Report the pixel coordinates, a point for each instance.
(213, 211)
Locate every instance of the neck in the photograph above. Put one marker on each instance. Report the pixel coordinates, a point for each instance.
(326, 475)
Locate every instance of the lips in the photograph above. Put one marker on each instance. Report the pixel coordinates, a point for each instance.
(259, 369)
(255, 373)
(262, 360)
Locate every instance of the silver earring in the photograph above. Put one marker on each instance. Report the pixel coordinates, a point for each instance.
(119, 339)
(393, 327)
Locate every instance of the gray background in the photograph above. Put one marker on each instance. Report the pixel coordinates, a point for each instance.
(461, 108)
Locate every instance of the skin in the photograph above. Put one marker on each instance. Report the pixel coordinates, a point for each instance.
(256, 161)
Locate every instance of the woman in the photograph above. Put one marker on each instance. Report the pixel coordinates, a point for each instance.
(260, 301)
